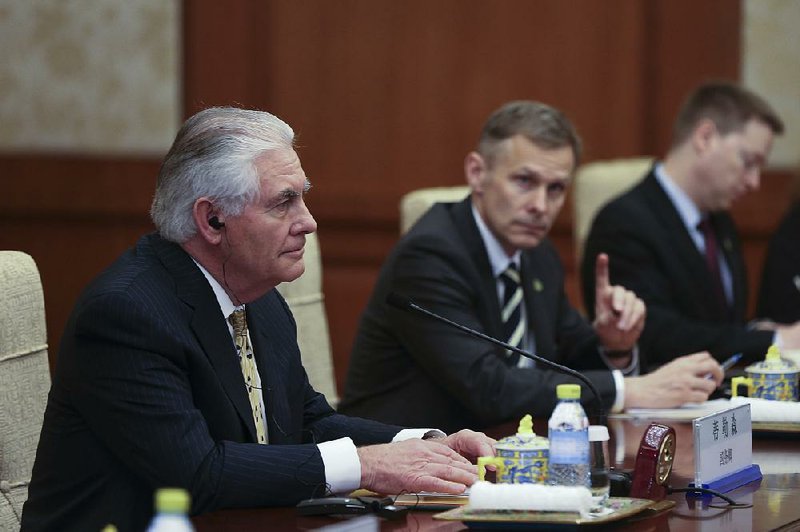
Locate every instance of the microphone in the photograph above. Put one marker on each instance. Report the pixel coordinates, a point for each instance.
(403, 303)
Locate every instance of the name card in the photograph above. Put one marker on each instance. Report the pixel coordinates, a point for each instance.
(723, 449)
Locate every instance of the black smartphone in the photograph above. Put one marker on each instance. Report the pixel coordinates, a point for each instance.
(332, 506)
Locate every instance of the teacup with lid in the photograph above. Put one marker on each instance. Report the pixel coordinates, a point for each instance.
(773, 378)
(521, 458)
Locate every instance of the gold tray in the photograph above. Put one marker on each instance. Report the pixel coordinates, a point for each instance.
(617, 508)
(767, 426)
(430, 501)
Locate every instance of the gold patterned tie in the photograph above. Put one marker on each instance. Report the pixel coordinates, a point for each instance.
(239, 322)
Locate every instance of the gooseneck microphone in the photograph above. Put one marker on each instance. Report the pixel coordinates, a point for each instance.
(403, 303)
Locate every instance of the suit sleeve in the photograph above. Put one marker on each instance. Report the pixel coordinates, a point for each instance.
(131, 383)
(636, 264)
(779, 295)
(436, 275)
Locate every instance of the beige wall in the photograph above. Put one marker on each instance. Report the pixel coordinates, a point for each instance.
(103, 76)
(89, 76)
(771, 66)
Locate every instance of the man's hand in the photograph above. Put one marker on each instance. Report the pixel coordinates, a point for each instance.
(763, 325)
(790, 335)
(619, 314)
(470, 444)
(683, 380)
(415, 465)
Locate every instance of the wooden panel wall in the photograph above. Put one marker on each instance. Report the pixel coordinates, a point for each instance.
(387, 97)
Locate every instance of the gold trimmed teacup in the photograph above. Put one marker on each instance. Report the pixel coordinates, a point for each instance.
(520, 459)
(773, 378)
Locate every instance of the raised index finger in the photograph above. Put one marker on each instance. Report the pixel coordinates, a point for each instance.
(601, 273)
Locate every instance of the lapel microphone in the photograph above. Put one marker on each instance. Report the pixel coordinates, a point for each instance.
(403, 303)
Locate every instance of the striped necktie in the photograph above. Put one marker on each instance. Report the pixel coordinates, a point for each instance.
(513, 324)
(245, 351)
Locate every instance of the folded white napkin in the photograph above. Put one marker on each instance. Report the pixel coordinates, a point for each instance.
(768, 411)
(534, 497)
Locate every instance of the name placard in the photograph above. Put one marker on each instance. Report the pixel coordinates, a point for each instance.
(723, 449)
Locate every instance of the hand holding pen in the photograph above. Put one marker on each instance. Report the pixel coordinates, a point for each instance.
(728, 364)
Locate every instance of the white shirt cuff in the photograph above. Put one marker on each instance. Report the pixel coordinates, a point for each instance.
(619, 384)
(342, 466)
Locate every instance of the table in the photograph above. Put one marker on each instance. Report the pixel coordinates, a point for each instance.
(775, 500)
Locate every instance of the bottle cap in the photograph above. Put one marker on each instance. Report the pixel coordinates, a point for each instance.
(598, 433)
(172, 500)
(568, 391)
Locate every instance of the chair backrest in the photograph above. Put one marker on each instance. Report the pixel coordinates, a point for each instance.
(595, 185)
(305, 298)
(24, 379)
(417, 202)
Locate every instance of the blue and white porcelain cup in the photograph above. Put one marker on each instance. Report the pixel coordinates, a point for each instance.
(520, 459)
(774, 378)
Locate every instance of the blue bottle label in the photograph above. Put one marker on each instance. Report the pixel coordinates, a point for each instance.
(569, 447)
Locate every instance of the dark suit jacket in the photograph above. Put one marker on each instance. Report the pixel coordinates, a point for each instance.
(652, 253)
(405, 368)
(779, 297)
(148, 392)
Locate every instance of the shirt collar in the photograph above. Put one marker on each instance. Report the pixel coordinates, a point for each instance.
(498, 258)
(224, 301)
(686, 208)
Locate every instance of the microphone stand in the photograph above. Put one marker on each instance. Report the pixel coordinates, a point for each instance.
(403, 303)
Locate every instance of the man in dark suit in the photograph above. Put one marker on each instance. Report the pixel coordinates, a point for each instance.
(409, 369)
(671, 239)
(779, 293)
(180, 367)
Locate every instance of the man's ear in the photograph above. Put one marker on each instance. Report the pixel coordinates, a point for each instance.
(202, 211)
(475, 171)
(704, 135)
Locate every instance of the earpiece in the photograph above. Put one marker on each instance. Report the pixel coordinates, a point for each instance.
(215, 223)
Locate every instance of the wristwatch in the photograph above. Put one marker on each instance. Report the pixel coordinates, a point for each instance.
(434, 434)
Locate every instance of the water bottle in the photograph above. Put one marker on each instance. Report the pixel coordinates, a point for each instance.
(172, 507)
(568, 431)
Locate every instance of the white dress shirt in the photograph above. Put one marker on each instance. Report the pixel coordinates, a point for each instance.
(339, 457)
(690, 215)
(498, 259)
